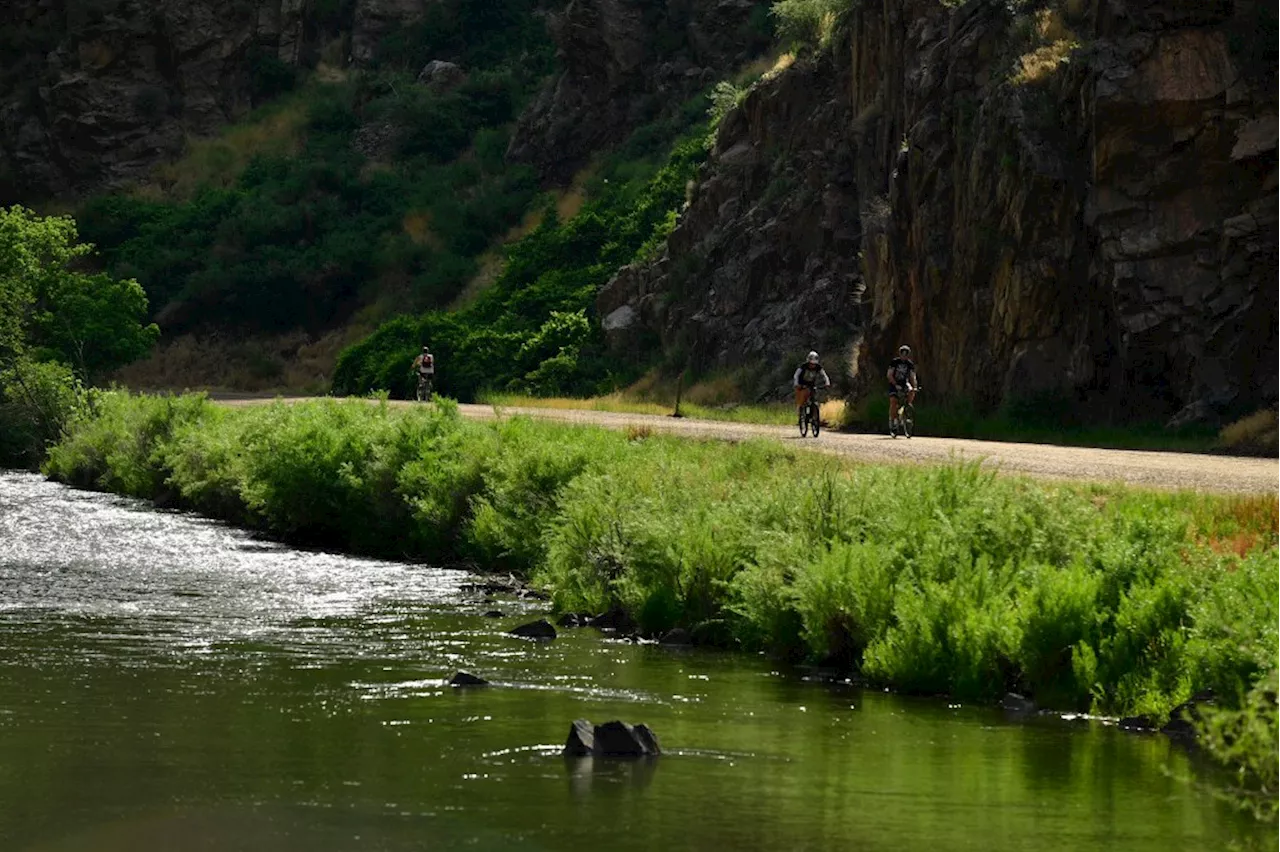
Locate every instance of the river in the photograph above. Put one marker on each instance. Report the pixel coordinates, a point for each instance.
(170, 683)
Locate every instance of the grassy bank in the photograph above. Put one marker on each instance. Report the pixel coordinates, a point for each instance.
(935, 580)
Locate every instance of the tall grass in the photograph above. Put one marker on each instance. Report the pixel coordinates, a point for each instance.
(937, 580)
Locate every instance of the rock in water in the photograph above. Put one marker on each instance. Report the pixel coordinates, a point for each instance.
(540, 629)
(467, 679)
(573, 619)
(615, 619)
(648, 739)
(618, 739)
(1015, 703)
(494, 613)
(581, 741)
(676, 636)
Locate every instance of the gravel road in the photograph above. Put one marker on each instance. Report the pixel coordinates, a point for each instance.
(1188, 471)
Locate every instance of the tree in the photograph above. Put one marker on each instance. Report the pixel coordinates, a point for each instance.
(51, 310)
(55, 317)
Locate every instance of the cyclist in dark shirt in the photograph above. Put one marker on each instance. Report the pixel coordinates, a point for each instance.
(902, 381)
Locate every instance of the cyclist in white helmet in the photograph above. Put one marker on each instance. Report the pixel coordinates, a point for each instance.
(902, 381)
(811, 376)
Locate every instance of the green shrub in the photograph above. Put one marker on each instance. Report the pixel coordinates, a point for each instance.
(940, 580)
(807, 23)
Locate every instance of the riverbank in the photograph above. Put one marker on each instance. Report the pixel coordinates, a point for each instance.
(938, 580)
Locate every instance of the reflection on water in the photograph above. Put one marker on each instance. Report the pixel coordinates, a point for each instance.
(167, 683)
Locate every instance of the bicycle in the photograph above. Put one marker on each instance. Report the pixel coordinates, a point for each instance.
(424, 388)
(906, 422)
(810, 413)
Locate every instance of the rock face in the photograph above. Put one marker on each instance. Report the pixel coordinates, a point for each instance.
(764, 262)
(101, 92)
(1075, 204)
(625, 62)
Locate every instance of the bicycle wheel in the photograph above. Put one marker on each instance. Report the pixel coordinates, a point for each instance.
(908, 419)
(815, 419)
(804, 420)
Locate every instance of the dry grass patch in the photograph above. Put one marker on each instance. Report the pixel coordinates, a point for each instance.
(1257, 434)
(1053, 43)
(220, 161)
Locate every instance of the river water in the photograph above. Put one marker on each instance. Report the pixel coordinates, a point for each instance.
(169, 683)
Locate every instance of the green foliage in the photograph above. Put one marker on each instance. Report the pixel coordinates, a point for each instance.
(808, 24)
(36, 401)
(1246, 739)
(534, 330)
(937, 580)
(374, 204)
(54, 317)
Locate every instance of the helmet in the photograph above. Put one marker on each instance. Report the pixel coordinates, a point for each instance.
(813, 356)
(425, 348)
(904, 348)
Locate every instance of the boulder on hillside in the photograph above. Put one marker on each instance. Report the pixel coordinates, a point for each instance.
(440, 76)
(540, 629)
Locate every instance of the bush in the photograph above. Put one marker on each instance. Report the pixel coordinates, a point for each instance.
(807, 23)
(943, 580)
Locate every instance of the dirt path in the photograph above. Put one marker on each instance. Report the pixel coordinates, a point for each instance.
(1132, 467)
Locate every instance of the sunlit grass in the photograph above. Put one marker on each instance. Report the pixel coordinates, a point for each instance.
(943, 579)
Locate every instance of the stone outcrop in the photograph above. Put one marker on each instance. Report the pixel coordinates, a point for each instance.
(764, 262)
(1076, 202)
(100, 93)
(627, 62)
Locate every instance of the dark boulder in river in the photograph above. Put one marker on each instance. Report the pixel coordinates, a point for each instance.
(467, 679)
(540, 629)
(614, 619)
(573, 619)
(612, 739)
(581, 739)
(1015, 703)
(676, 636)
(618, 739)
(495, 613)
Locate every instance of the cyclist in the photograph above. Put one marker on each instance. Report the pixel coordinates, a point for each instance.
(809, 376)
(903, 382)
(425, 368)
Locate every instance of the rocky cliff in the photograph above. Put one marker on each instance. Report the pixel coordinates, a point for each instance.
(626, 63)
(94, 93)
(1073, 201)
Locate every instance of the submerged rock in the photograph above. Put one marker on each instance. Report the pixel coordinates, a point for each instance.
(540, 629)
(676, 636)
(1182, 721)
(494, 613)
(615, 619)
(1137, 723)
(1015, 703)
(467, 679)
(573, 619)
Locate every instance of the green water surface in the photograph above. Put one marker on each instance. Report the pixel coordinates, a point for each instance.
(167, 683)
